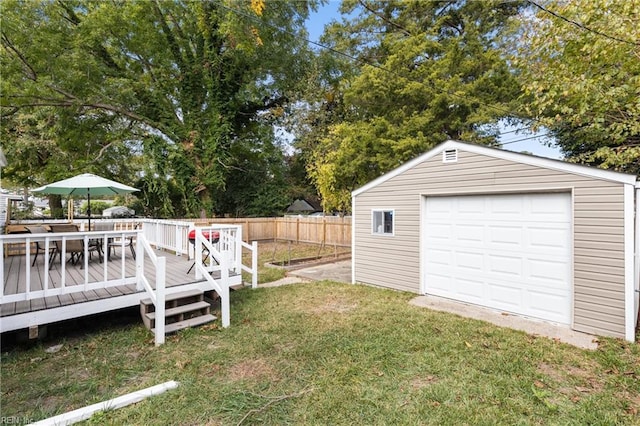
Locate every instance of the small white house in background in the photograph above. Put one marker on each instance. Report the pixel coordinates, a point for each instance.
(517, 233)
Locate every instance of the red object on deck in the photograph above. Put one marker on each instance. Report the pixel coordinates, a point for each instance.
(212, 236)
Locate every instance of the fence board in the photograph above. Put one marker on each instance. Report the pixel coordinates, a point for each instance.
(329, 230)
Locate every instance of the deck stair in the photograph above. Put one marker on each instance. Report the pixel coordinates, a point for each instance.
(182, 310)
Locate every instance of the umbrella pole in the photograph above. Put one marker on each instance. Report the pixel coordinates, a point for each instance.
(89, 208)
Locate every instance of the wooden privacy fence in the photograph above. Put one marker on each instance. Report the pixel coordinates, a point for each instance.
(330, 230)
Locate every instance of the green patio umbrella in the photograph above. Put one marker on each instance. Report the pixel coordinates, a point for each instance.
(87, 185)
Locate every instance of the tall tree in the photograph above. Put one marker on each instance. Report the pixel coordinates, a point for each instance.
(579, 65)
(431, 71)
(196, 77)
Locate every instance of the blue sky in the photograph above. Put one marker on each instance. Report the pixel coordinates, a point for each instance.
(329, 12)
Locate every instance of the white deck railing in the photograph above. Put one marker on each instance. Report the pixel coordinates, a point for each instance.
(23, 291)
(171, 236)
(157, 294)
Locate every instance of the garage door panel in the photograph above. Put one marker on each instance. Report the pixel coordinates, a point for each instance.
(469, 233)
(469, 261)
(549, 273)
(440, 256)
(549, 238)
(510, 266)
(472, 290)
(440, 284)
(440, 207)
(505, 207)
(469, 206)
(439, 231)
(505, 237)
(548, 306)
(508, 252)
(504, 296)
(547, 208)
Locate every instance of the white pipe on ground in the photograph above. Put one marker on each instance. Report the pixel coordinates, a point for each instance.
(85, 413)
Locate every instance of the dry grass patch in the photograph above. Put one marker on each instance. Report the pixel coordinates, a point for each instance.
(333, 305)
(423, 381)
(252, 369)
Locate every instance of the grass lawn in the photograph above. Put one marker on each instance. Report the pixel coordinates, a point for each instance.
(328, 353)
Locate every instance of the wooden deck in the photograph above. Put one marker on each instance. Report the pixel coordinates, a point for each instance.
(15, 280)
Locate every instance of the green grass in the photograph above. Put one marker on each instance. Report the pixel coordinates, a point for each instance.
(328, 353)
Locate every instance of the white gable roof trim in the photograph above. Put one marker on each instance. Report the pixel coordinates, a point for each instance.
(531, 160)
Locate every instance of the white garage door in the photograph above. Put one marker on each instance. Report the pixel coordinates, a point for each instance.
(507, 252)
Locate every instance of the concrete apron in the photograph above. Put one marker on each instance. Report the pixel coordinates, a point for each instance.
(531, 326)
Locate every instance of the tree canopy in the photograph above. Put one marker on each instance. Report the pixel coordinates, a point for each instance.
(432, 71)
(579, 65)
(188, 87)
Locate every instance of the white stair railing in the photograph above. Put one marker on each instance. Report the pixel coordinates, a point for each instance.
(231, 241)
(157, 294)
(253, 270)
(202, 271)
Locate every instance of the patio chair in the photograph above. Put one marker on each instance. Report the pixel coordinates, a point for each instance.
(75, 247)
(112, 243)
(116, 242)
(129, 242)
(53, 249)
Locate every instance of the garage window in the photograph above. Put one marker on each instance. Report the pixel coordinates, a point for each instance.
(382, 221)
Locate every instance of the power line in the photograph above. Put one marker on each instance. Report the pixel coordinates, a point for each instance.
(544, 135)
(580, 25)
(362, 61)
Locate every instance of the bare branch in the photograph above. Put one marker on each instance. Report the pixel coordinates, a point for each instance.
(171, 40)
(71, 16)
(10, 46)
(384, 18)
(102, 150)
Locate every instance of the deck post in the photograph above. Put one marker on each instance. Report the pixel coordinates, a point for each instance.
(160, 300)
(254, 264)
(224, 285)
(191, 248)
(27, 258)
(139, 264)
(198, 253)
(1, 269)
(237, 262)
(47, 259)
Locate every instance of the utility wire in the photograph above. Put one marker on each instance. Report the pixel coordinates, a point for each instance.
(582, 26)
(362, 61)
(544, 135)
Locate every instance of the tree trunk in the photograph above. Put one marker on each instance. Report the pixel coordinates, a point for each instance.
(55, 205)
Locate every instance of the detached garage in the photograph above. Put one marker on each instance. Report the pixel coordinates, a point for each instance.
(517, 233)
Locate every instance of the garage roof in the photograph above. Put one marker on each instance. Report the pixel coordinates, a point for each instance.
(529, 159)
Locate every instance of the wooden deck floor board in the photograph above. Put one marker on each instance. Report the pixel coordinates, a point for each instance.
(12, 274)
(22, 306)
(51, 302)
(38, 304)
(15, 266)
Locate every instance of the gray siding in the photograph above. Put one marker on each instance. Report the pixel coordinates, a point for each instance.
(598, 226)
